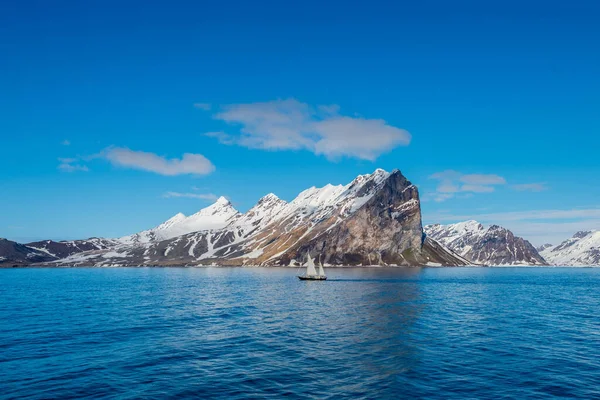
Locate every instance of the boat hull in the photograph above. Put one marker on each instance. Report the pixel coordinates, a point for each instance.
(312, 278)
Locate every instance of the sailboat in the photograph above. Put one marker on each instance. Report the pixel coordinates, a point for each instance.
(311, 273)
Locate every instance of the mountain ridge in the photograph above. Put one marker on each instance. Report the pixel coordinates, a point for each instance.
(373, 220)
(582, 249)
(215, 216)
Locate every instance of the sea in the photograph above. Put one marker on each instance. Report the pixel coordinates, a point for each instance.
(237, 333)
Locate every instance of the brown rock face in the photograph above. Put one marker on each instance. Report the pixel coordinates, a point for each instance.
(378, 233)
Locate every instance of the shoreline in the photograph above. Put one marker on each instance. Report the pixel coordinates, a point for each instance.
(30, 266)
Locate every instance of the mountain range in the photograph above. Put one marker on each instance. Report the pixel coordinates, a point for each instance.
(373, 220)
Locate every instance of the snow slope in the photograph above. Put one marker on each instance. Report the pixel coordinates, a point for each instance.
(583, 249)
(215, 216)
(66, 248)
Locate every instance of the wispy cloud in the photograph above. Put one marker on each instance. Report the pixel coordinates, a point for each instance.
(530, 187)
(222, 137)
(200, 196)
(203, 106)
(482, 179)
(194, 164)
(66, 142)
(71, 165)
(453, 182)
(293, 125)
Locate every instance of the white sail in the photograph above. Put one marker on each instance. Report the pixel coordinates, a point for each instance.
(321, 270)
(310, 266)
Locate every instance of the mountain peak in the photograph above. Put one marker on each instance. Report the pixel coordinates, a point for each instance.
(216, 216)
(472, 222)
(468, 226)
(221, 206)
(269, 198)
(177, 217)
(222, 201)
(581, 234)
(543, 247)
(377, 173)
(580, 250)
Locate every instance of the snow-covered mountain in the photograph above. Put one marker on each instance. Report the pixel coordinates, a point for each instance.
(493, 245)
(57, 250)
(216, 216)
(13, 253)
(373, 220)
(583, 249)
(543, 247)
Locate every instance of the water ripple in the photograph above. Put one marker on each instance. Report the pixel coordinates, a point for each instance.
(260, 333)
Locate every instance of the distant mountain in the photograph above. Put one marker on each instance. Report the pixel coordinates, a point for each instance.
(583, 249)
(217, 216)
(493, 245)
(13, 253)
(373, 220)
(543, 247)
(57, 250)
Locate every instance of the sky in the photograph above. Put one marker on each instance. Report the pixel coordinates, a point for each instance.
(114, 116)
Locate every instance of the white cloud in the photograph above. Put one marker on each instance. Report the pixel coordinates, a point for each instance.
(530, 187)
(452, 182)
(482, 179)
(329, 109)
(66, 142)
(201, 196)
(222, 137)
(477, 188)
(440, 197)
(447, 187)
(203, 106)
(195, 164)
(293, 125)
(71, 165)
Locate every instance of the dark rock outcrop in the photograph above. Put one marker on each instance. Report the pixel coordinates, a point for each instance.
(13, 253)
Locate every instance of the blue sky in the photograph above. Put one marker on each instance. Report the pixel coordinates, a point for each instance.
(491, 108)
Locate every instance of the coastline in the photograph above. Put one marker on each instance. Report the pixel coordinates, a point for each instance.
(31, 266)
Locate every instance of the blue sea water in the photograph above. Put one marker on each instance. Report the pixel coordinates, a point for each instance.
(255, 332)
